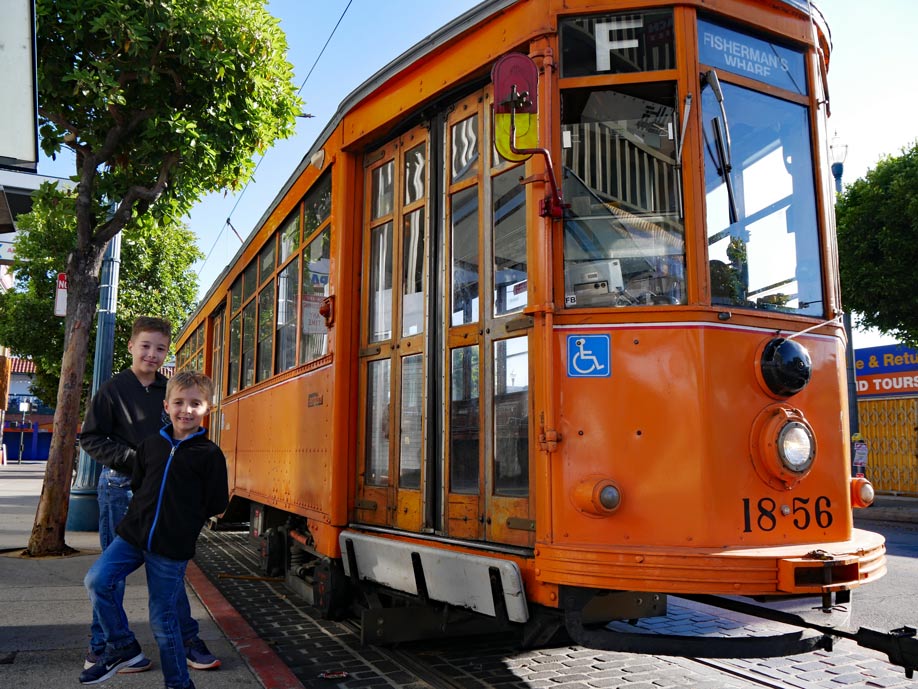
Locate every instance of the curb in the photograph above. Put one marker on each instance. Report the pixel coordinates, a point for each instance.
(264, 663)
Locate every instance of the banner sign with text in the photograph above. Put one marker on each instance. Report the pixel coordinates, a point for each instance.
(887, 370)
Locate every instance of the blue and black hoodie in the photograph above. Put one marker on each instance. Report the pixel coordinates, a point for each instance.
(178, 485)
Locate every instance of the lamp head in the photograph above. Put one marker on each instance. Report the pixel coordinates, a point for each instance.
(838, 150)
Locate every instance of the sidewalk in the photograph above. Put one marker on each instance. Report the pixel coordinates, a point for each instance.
(45, 612)
(889, 508)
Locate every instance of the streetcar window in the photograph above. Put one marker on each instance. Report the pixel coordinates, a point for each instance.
(763, 240)
(511, 417)
(381, 198)
(248, 344)
(377, 420)
(415, 174)
(463, 421)
(464, 149)
(381, 282)
(464, 252)
(216, 418)
(413, 273)
(412, 427)
(288, 283)
(191, 355)
(510, 267)
(236, 295)
(617, 43)
(624, 237)
(317, 205)
(249, 280)
(316, 259)
(264, 366)
(289, 237)
(266, 260)
(235, 349)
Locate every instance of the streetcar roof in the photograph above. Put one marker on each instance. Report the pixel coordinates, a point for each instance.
(438, 38)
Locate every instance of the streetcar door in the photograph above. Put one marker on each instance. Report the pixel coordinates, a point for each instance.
(392, 359)
(486, 467)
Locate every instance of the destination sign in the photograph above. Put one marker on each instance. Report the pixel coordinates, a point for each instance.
(752, 57)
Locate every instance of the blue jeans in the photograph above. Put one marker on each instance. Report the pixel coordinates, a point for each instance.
(114, 494)
(165, 584)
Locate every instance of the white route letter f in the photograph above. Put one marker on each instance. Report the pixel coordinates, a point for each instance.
(605, 43)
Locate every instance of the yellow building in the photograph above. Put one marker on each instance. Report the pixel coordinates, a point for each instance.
(887, 385)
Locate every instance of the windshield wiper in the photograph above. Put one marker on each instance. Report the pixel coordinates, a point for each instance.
(722, 141)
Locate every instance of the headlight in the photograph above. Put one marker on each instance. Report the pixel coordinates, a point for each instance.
(795, 446)
(783, 446)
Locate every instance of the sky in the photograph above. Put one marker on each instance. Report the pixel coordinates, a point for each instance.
(872, 87)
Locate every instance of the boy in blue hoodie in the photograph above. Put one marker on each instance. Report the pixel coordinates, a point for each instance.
(179, 480)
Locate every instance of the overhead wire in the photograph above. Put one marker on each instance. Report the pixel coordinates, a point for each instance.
(251, 179)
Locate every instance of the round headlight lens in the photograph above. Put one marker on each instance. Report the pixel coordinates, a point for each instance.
(795, 446)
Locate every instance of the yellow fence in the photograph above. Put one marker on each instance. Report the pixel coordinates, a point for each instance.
(890, 427)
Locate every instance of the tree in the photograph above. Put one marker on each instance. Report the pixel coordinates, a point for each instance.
(877, 220)
(156, 278)
(162, 102)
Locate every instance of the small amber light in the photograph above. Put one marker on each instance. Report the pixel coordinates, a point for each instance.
(596, 496)
(862, 493)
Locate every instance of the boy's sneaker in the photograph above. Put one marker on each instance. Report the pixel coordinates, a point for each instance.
(190, 685)
(141, 665)
(91, 659)
(111, 662)
(199, 656)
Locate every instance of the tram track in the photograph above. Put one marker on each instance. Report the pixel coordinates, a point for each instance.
(311, 646)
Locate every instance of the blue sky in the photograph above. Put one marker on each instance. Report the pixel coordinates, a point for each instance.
(872, 87)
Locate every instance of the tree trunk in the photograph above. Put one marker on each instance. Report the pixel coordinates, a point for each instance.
(82, 295)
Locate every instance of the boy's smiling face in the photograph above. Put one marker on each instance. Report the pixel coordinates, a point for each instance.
(187, 408)
(148, 352)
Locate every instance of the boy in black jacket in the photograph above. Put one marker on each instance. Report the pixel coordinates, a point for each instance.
(126, 409)
(179, 480)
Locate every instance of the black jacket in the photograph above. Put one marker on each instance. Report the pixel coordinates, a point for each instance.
(177, 485)
(122, 413)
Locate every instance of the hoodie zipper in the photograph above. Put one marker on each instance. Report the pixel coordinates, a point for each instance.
(162, 486)
(159, 500)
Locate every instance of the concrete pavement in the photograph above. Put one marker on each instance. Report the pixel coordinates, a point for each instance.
(45, 612)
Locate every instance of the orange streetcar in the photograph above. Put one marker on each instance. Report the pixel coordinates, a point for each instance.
(546, 327)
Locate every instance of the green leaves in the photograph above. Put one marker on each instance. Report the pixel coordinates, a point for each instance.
(208, 79)
(877, 219)
(156, 279)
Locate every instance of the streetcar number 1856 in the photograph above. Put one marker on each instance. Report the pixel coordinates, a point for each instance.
(763, 514)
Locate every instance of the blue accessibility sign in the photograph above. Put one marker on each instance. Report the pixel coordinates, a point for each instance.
(589, 356)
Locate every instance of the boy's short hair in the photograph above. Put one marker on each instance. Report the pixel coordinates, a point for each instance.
(190, 379)
(145, 324)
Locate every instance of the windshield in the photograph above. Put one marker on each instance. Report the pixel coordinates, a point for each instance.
(763, 245)
(623, 233)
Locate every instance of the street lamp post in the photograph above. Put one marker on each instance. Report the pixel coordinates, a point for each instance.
(83, 513)
(24, 407)
(838, 151)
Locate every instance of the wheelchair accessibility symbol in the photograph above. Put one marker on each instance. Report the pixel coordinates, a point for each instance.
(588, 356)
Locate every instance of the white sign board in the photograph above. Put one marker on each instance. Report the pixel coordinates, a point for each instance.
(18, 133)
(60, 295)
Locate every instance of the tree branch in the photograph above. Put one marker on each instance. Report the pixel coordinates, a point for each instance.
(139, 195)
